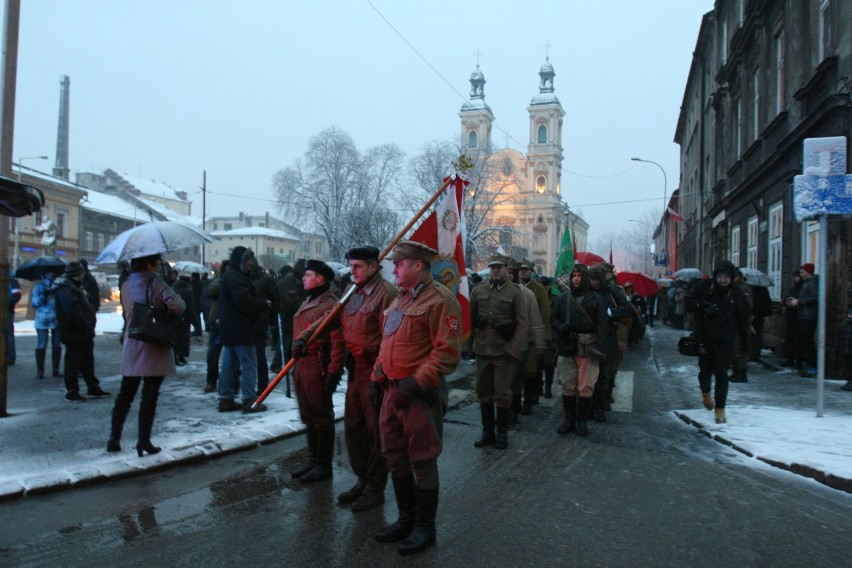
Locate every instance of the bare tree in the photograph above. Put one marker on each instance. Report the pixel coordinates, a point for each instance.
(374, 226)
(632, 243)
(335, 180)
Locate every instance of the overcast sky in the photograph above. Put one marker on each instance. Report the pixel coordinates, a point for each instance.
(166, 89)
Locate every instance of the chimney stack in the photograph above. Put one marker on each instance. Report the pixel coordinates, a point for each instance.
(61, 168)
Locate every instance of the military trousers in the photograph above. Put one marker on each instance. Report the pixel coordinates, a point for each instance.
(315, 406)
(578, 375)
(361, 419)
(494, 379)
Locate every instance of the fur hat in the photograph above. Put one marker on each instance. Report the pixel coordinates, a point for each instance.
(725, 267)
(320, 268)
(362, 253)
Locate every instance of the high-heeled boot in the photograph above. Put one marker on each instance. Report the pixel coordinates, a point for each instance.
(119, 415)
(39, 356)
(147, 411)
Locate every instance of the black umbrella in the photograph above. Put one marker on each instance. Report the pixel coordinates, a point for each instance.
(33, 269)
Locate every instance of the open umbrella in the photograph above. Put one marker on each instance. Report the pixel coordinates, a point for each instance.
(188, 267)
(642, 285)
(33, 269)
(688, 274)
(665, 282)
(755, 277)
(587, 258)
(156, 237)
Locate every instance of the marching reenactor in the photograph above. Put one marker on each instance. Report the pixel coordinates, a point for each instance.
(523, 383)
(542, 298)
(580, 323)
(420, 346)
(500, 329)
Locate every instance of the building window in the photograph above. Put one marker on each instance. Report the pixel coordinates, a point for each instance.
(506, 235)
(810, 242)
(540, 184)
(61, 221)
(780, 78)
(724, 46)
(90, 244)
(542, 134)
(738, 127)
(507, 167)
(824, 32)
(755, 106)
(776, 231)
(751, 244)
(101, 241)
(472, 139)
(228, 226)
(735, 245)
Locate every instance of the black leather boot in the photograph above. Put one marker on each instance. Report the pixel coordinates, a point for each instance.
(147, 411)
(325, 452)
(119, 415)
(39, 356)
(312, 453)
(406, 502)
(569, 405)
(56, 359)
(514, 409)
(598, 406)
(423, 535)
(502, 429)
(584, 409)
(487, 412)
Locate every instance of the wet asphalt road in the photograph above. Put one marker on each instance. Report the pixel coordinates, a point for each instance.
(643, 490)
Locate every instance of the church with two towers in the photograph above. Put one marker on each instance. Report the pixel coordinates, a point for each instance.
(531, 219)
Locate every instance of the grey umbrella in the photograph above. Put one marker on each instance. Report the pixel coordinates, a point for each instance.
(688, 274)
(755, 277)
(33, 269)
(156, 237)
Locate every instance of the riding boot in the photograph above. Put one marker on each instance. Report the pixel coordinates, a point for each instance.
(406, 502)
(147, 411)
(119, 415)
(599, 406)
(39, 356)
(423, 535)
(515, 409)
(502, 429)
(325, 452)
(584, 409)
(487, 412)
(569, 405)
(56, 359)
(312, 453)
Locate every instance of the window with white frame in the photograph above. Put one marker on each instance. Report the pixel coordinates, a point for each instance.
(735, 245)
(90, 244)
(824, 32)
(751, 243)
(776, 232)
(780, 78)
(100, 241)
(810, 242)
(472, 139)
(61, 221)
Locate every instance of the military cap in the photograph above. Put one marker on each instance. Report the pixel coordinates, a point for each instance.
(320, 268)
(526, 264)
(514, 264)
(362, 253)
(412, 249)
(498, 258)
(597, 271)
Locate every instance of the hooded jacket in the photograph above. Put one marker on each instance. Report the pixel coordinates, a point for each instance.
(722, 312)
(241, 312)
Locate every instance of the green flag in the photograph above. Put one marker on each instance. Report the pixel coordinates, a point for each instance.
(564, 264)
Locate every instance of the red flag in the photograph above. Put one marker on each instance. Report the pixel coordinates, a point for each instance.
(445, 231)
(673, 214)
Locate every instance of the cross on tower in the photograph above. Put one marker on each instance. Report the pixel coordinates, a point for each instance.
(477, 54)
(547, 46)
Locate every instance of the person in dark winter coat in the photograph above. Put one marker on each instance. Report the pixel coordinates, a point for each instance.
(214, 339)
(143, 363)
(44, 302)
(580, 323)
(240, 315)
(197, 293)
(277, 323)
(76, 320)
(722, 318)
(90, 285)
(843, 345)
(806, 305)
(791, 323)
(183, 288)
(265, 287)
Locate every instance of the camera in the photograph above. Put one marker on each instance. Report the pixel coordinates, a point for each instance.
(709, 309)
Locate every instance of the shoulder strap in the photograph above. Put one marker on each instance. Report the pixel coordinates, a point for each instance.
(582, 309)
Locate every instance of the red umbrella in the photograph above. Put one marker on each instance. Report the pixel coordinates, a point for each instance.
(587, 258)
(642, 285)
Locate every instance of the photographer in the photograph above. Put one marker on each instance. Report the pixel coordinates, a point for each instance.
(721, 319)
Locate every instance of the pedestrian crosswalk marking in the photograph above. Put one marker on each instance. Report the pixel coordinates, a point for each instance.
(623, 393)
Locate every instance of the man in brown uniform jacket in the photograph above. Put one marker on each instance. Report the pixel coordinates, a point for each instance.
(316, 378)
(361, 322)
(500, 336)
(420, 346)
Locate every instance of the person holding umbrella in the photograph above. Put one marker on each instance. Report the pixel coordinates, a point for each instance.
(141, 362)
(44, 302)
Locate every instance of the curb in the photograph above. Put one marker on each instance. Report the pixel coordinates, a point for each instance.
(831, 480)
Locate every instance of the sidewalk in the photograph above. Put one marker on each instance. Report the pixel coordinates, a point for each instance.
(48, 444)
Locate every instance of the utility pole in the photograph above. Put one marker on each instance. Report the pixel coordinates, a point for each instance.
(203, 212)
(7, 132)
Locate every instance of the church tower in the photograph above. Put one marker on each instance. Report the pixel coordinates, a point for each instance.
(476, 116)
(544, 155)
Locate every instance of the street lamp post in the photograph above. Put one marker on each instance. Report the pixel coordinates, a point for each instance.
(665, 191)
(16, 258)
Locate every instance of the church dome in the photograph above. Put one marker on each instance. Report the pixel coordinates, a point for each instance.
(545, 99)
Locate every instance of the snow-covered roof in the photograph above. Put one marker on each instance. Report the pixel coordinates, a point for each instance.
(151, 187)
(255, 231)
(46, 177)
(476, 104)
(111, 205)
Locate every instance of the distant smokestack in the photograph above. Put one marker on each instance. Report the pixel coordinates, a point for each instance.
(61, 168)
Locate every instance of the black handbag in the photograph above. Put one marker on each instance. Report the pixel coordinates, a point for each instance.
(151, 324)
(690, 345)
